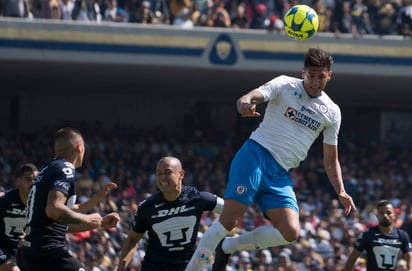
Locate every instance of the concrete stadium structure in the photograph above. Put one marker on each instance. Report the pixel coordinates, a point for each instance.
(53, 72)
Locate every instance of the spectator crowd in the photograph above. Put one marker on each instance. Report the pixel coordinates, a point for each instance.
(358, 17)
(127, 156)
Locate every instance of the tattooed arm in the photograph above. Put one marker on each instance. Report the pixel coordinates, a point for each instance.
(57, 210)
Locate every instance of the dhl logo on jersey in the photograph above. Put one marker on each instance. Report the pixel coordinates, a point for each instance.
(172, 211)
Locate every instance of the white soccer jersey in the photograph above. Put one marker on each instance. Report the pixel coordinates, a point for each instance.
(293, 120)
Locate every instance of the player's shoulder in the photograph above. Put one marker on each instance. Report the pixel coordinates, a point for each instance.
(190, 189)
(3, 197)
(151, 200)
(59, 163)
(56, 167)
(401, 232)
(329, 107)
(373, 229)
(373, 232)
(10, 195)
(327, 100)
(191, 192)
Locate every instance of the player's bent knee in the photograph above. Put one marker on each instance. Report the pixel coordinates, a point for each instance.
(228, 222)
(289, 229)
(291, 234)
(232, 213)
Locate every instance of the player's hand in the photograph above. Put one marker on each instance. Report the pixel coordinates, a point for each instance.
(94, 220)
(109, 187)
(347, 203)
(110, 220)
(248, 110)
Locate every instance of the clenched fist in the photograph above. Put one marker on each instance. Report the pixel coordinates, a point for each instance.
(110, 220)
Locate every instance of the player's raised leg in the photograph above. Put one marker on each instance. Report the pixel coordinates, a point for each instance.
(282, 232)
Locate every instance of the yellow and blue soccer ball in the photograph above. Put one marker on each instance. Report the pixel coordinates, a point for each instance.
(301, 22)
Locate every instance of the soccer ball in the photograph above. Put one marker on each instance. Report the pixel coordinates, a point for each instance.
(301, 22)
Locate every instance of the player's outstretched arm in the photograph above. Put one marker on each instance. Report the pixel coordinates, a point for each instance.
(246, 105)
(89, 222)
(334, 172)
(96, 199)
(350, 262)
(95, 221)
(408, 257)
(129, 249)
(57, 210)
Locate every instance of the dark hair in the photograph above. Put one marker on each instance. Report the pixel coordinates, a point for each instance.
(26, 168)
(318, 58)
(383, 203)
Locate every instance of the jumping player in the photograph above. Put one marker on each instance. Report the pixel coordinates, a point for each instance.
(298, 111)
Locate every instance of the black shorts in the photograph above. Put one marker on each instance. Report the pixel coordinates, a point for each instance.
(60, 259)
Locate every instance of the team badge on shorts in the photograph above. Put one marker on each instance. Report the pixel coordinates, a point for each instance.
(240, 190)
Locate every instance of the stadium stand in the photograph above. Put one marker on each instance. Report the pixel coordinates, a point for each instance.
(127, 155)
(116, 73)
(355, 17)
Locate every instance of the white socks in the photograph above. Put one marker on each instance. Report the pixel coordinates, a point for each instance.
(207, 246)
(260, 238)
